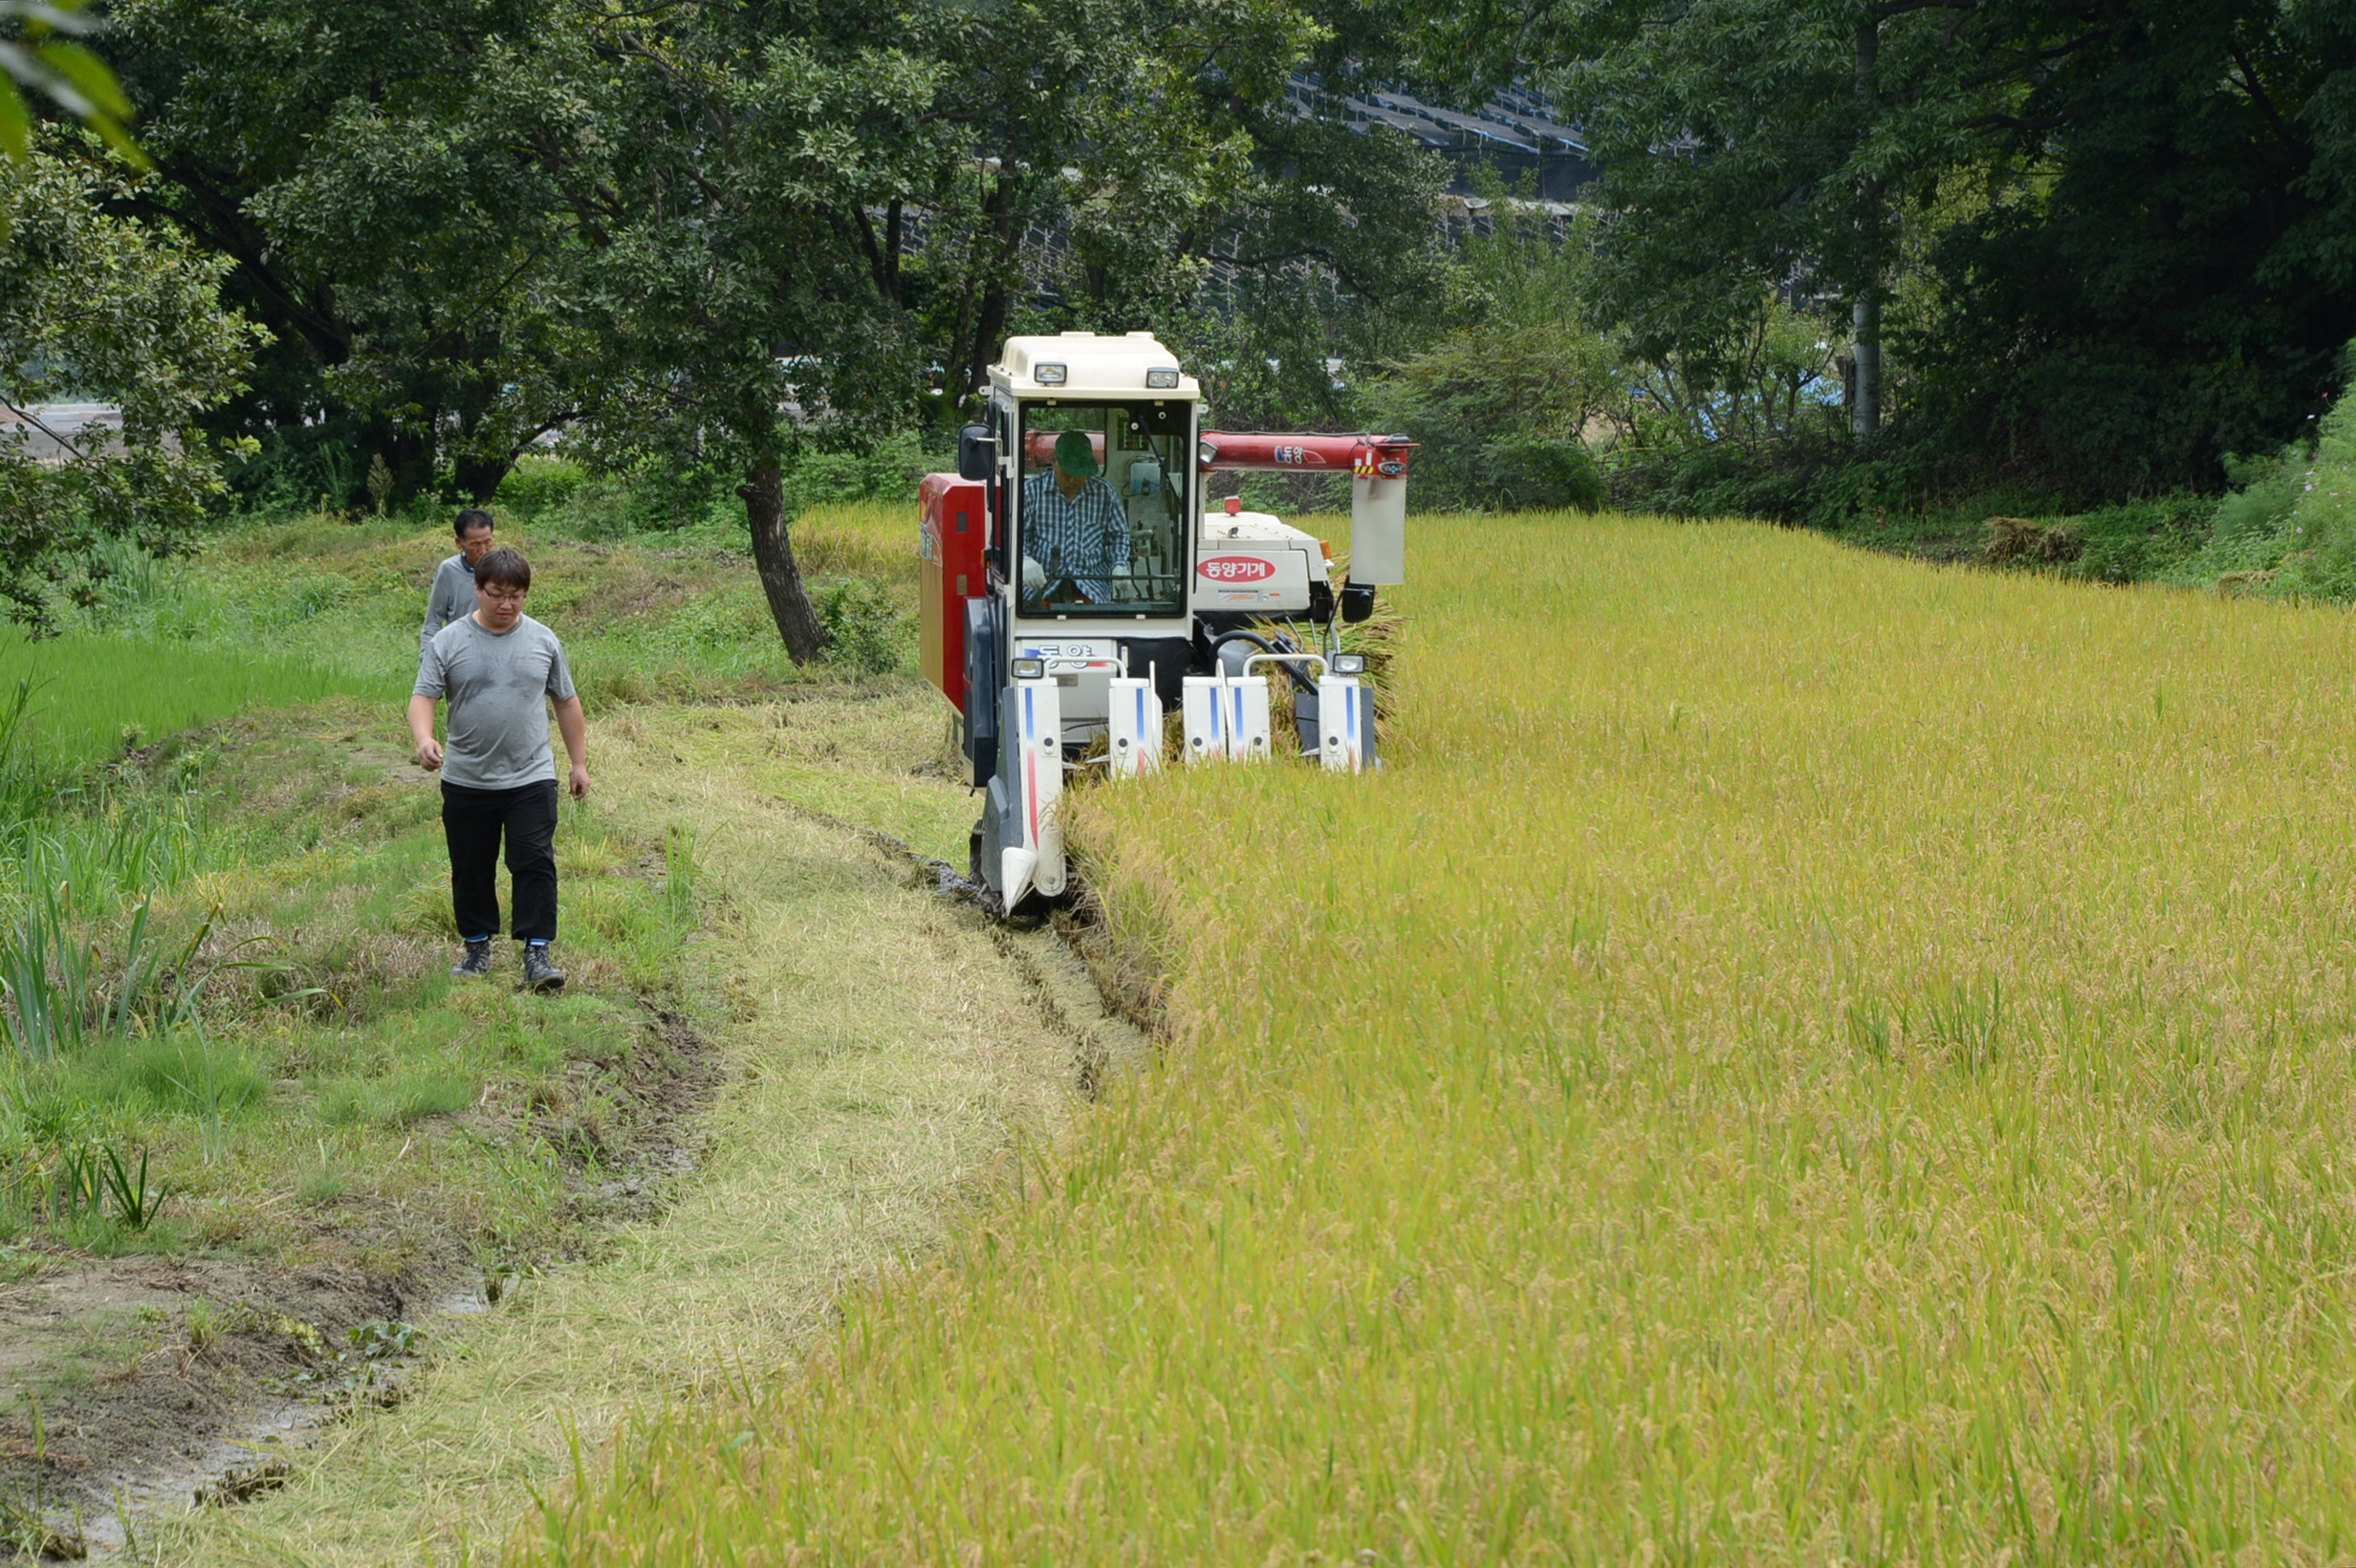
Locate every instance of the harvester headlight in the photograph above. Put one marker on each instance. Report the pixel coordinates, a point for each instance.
(1030, 669)
(1349, 663)
(1163, 379)
(1047, 375)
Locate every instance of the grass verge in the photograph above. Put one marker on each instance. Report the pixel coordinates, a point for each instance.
(860, 1106)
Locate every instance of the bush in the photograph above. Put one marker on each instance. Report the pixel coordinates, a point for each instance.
(886, 472)
(2289, 527)
(863, 630)
(538, 481)
(1499, 413)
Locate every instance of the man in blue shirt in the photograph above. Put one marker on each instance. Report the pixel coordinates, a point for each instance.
(1073, 528)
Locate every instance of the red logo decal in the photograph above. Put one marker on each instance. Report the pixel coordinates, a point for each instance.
(1237, 569)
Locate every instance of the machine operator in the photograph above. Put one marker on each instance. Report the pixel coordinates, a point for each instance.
(1076, 537)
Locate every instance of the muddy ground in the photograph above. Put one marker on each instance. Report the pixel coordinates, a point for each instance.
(135, 1386)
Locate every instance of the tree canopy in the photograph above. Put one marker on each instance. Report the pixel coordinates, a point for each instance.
(1838, 250)
(100, 306)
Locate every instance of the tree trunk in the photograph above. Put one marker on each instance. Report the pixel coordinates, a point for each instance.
(1865, 313)
(1865, 406)
(773, 555)
(477, 478)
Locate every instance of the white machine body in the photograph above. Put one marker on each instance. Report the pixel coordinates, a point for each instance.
(1079, 618)
(1036, 860)
(1226, 717)
(1133, 729)
(1251, 562)
(1345, 713)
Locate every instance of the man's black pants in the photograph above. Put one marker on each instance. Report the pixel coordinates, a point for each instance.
(472, 820)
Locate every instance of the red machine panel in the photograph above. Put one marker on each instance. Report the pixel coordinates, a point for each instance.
(950, 536)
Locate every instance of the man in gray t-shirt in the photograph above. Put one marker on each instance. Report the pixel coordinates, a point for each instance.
(500, 670)
(452, 595)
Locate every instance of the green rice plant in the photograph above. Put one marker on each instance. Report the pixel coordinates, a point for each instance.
(82, 690)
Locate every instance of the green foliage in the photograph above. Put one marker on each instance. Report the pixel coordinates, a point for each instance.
(99, 307)
(1500, 413)
(2316, 534)
(392, 227)
(2106, 246)
(2161, 271)
(541, 483)
(1503, 404)
(38, 58)
(87, 1180)
(865, 631)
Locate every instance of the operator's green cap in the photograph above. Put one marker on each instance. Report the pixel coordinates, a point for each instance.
(1075, 456)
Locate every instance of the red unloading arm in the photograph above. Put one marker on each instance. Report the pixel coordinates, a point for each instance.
(1377, 467)
(1363, 457)
(1223, 450)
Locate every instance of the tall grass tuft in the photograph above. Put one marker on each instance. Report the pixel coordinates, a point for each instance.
(682, 879)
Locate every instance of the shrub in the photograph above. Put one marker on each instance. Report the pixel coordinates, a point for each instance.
(863, 628)
(537, 483)
(1499, 413)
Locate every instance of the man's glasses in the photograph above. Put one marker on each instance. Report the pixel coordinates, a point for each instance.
(507, 596)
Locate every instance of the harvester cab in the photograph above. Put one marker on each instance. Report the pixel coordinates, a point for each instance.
(1073, 586)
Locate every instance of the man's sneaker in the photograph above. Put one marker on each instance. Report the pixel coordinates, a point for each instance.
(476, 961)
(539, 975)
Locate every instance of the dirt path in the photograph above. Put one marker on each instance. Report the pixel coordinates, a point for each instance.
(882, 1050)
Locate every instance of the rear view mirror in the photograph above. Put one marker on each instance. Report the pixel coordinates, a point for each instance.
(977, 453)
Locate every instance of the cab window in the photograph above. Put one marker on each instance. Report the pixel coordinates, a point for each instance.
(1100, 526)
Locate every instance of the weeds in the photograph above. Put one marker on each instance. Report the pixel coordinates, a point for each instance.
(206, 1324)
(682, 896)
(201, 1083)
(135, 1203)
(865, 631)
(86, 1179)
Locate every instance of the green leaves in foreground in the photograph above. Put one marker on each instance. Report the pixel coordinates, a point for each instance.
(98, 307)
(37, 57)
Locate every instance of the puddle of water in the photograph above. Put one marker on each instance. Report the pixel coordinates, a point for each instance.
(269, 1428)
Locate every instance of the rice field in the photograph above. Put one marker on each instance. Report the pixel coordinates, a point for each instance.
(1800, 1057)
(93, 695)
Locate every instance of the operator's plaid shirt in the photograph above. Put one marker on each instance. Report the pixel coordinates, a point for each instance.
(1085, 538)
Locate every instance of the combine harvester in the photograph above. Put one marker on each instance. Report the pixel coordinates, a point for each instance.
(1070, 592)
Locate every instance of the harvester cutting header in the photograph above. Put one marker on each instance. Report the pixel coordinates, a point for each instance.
(1073, 587)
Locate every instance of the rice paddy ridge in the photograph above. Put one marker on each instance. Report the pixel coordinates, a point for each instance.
(1802, 1055)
